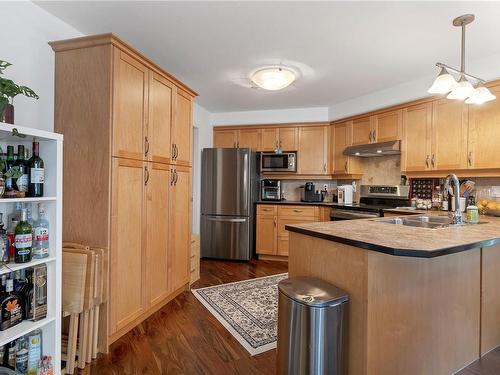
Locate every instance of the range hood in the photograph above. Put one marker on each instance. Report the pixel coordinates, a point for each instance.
(374, 149)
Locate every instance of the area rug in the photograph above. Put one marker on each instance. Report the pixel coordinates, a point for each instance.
(247, 309)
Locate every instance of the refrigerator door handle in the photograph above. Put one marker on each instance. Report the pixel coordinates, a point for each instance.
(226, 219)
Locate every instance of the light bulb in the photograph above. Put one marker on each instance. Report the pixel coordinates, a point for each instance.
(443, 83)
(462, 90)
(480, 96)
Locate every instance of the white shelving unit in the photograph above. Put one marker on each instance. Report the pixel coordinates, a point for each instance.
(51, 152)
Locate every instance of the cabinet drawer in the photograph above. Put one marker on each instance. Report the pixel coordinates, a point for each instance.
(300, 211)
(282, 221)
(267, 209)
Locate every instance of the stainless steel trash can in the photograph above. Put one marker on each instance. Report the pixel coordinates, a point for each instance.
(310, 327)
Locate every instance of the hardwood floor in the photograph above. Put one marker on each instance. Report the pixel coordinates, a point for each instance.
(184, 338)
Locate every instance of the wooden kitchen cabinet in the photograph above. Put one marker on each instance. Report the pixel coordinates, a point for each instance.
(127, 273)
(249, 138)
(417, 127)
(161, 93)
(388, 126)
(270, 139)
(131, 120)
(313, 150)
(226, 138)
(449, 135)
(182, 129)
(266, 229)
(341, 138)
(180, 227)
(157, 246)
(130, 89)
(362, 130)
(286, 138)
(484, 133)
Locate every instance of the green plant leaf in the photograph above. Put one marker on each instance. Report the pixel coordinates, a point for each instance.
(3, 103)
(26, 91)
(4, 65)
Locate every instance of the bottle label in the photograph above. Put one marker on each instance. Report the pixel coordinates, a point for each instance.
(8, 183)
(22, 183)
(22, 361)
(23, 241)
(37, 175)
(11, 313)
(40, 252)
(41, 234)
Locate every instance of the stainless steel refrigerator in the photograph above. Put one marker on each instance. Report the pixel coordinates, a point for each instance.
(229, 189)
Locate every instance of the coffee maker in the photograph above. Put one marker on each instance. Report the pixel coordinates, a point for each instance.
(311, 195)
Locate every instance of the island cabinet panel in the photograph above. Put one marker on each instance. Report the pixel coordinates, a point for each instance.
(484, 133)
(129, 106)
(449, 135)
(490, 298)
(225, 138)
(416, 148)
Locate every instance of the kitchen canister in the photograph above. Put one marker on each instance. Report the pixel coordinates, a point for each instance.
(472, 214)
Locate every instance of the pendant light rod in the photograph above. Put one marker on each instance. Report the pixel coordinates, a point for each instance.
(462, 57)
(458, 71)
(463, 21)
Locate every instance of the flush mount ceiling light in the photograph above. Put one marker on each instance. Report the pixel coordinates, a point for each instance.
(273, 78)
(468, 87)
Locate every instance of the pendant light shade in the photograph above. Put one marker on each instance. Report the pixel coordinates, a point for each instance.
(481, 95)
(443, 83)
(462, 90)
(273, 78)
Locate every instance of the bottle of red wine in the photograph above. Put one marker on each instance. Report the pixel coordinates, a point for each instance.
(21, 183)
(36, 173)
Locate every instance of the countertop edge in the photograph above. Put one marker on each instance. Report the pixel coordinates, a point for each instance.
(392, 250)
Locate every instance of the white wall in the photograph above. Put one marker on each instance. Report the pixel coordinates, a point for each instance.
(276, 116)
(202, 122)
(26, 29)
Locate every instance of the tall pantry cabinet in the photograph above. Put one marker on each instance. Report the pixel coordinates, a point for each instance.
(127, 171)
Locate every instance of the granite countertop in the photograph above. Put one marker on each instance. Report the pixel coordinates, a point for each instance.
(340, 205)
(299, 203)
(400, 240)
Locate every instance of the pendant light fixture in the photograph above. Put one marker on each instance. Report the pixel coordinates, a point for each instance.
(468, 87)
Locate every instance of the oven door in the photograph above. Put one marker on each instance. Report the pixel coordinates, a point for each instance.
(271, 162)
(337, 214)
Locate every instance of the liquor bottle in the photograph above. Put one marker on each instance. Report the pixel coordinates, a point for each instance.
(36, 172)
(21, 183)
(11, 307)
(9, 163)
(10, 355)
(11, 235)
(4, 243)
(23, 239)
(41, 234)
(34, 351)
(22, 351)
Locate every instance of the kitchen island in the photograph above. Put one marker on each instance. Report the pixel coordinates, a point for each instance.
(421, 301)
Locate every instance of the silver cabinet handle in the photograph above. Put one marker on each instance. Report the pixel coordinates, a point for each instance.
(176, 177)
(469, 159)
(370, 136)
(228, 220)
(427, 161)
(176, 151)
(173, 151)
(146, 174)
(266, 209)
(324, 167)
(345, 166)
(146, 144)
(374, 135)
(171, 177)
(433, 161)
(296, 210)
(238, 144)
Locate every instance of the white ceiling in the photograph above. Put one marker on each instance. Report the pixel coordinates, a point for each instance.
(344, 49)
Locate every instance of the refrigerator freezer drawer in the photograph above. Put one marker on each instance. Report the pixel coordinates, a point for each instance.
(226, 237)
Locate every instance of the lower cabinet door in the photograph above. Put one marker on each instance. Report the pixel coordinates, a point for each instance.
(127, 258)
(266, 235)
(157, 194)
(180, 227)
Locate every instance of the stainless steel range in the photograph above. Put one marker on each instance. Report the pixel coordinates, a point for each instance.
(374, 199)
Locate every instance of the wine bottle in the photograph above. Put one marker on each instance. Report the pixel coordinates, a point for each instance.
(11, 307)
(23, 239)
(9, 163)
(21, 183)
(36, 172)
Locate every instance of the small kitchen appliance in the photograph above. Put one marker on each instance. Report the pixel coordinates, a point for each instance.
(272, 162)
(345, 194)
(311, 195)
(270, 190)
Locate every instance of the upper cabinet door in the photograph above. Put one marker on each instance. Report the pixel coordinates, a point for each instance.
(388, 126)
(362, 131)
(340, 142)
(417, 121)
(225, 138)
(157, 249)
(160, 119)
(484, 133)
(269, 139)
(288, 138)
(130, 82)
(313, 150)
(449, 134)
(182, 130)
(249, 138)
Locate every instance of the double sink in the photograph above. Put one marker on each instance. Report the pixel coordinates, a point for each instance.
(422, 221)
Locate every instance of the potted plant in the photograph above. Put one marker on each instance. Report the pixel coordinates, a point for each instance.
(8, 91)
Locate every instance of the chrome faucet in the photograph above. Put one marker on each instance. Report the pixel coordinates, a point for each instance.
(457, 214)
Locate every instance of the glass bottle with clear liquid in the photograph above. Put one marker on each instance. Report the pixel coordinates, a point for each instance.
(41, 234)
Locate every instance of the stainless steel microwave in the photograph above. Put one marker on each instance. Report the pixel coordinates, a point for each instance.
(272, 162)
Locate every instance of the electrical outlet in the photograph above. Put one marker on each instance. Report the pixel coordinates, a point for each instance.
(325, 187)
